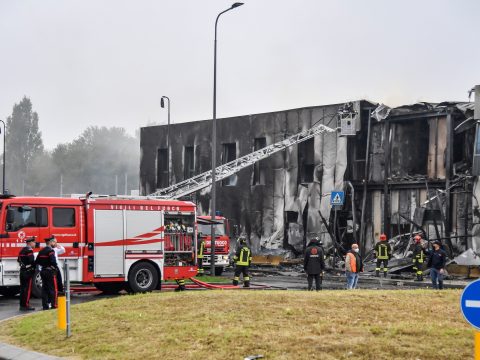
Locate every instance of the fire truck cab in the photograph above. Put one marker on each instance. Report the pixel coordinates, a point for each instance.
(222, 241)
(111, 242)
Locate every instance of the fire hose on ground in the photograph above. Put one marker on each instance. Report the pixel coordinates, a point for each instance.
(197, 285)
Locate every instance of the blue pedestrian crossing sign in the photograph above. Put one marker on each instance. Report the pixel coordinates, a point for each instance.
(470, 304)
(337, 198)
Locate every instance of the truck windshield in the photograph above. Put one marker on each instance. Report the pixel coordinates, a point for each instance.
(207, 229)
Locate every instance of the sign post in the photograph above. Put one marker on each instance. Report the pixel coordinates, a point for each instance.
(477, 345)
(67, 293)
(470, 305)
(337, 198)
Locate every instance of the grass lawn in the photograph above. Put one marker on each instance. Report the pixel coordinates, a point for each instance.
(362, 324)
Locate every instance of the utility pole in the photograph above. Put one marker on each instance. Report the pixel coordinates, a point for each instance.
(214, 141)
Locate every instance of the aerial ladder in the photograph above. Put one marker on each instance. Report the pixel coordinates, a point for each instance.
(203, 180)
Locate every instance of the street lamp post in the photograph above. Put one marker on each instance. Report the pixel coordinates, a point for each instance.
(4, 132)
(162, 104)
(214, 141)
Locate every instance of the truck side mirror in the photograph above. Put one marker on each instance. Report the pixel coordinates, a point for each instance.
(10, 216)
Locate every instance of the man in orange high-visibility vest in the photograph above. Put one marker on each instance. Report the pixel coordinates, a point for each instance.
(353, 266)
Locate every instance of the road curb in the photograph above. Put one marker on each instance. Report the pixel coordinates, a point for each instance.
(10, 352)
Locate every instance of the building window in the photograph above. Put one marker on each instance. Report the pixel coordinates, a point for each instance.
(229, 153)
(63, 217)
(306, 163)
(162, 168)
(259, 166)
(188, 162)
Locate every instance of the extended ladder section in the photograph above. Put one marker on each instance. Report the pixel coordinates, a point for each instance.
(224, 171)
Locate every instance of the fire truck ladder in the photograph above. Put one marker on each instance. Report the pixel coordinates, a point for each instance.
(224, 171)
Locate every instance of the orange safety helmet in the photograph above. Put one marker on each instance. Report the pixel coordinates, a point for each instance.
(383, 237)
(418, 238)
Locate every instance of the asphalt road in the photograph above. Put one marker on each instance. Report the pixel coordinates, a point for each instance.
(9, 305)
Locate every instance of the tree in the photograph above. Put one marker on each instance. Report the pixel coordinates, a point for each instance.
(23, 144)
(96, 159)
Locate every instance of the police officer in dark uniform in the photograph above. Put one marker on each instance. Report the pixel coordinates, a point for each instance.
(200, 251)
(314, 264)
(243, 259)
(27, 272)
(46, 259)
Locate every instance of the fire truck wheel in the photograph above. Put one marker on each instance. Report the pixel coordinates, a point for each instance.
(110, 288)
(142, 277)
(37, 285)
(218, 271)
(9, 291)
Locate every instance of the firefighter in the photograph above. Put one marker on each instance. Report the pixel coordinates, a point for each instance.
(59, 250)
(418, 257)
(181, 285)
(27, 272)
(46, 259)
(383, 253)
(201, 249)
(242, 258)
(314, 264)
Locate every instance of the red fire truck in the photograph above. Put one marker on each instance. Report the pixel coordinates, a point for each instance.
(222, 241)
(111, 242)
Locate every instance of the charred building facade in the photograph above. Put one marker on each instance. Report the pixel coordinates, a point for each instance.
(404, 170)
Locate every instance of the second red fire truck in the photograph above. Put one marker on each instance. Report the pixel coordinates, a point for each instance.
(222, 241)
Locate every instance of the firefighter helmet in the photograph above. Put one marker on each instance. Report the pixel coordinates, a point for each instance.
(418, 238)
(383, 237)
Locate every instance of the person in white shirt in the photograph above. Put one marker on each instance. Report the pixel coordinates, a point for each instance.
(59, 250)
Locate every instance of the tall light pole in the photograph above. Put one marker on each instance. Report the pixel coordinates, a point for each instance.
(4, 132)
(162, 104)
(214, 141)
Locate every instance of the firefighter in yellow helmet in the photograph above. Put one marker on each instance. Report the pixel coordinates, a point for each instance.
(383, 253)
(200, 251)
(418, 257)
(242, 258)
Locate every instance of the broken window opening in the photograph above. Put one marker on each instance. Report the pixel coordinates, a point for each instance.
(162, 168)
(229, 153)
(410, 149)
(292, 216)
(259, 166)
(306, 162)
(188, 162)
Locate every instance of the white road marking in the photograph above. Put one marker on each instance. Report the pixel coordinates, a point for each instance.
(472, 303)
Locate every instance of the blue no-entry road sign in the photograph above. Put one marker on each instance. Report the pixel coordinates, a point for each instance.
(470, 303)
(337, 198)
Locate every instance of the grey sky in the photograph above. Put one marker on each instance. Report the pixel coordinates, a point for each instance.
(108, 62)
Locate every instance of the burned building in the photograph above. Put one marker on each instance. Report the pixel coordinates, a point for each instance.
(405, 169)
